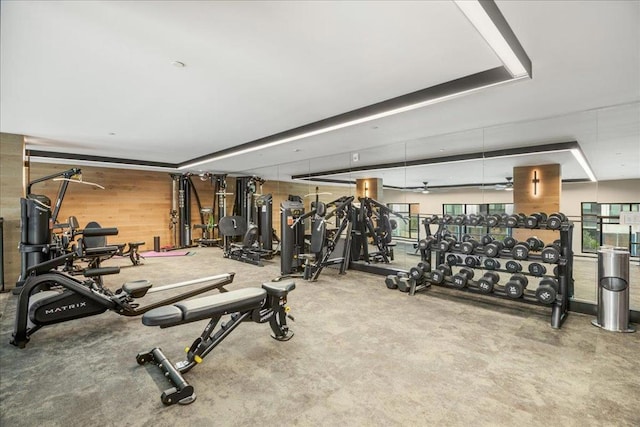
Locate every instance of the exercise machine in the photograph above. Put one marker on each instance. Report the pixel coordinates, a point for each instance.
(373, 221)
(260, 305)
(325, 243)
(38, 217)
(292, 243)
(49, 296)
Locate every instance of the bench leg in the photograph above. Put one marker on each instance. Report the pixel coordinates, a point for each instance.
(181, 392)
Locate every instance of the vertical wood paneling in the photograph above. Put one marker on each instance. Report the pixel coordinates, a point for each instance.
(11, 188)
(546, 200)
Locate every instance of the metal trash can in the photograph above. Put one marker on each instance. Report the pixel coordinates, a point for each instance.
(613, 289)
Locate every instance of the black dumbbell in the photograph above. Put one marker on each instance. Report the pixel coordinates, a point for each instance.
(433, 219)
(535, 219)
(550, 254)
(438, 275)
(471, 261)
(493, 220)
(391, 281)
(486, 239)
(447, 243)
(446, 219)
(556, 271)
(420, 273)
(537, 269)
(473, 219)
(493, 249)
(513, 266)
(462, 277)
(466, 237)
(424, 244)
(469, 246)
(453, 259)
(460, 220)
(512, 221)
(555, 220)
(516, 285)
(535, 244)
(488, 281)
(491, 264)
(547, 290)
(520, 251)
(509, 242)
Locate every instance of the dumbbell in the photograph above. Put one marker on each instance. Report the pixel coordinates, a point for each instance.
(512, 221)
(424, 244)
(405, 284)
(420, 273)
(446, 219)
(472, 261)
(469, 246)
(391, 281)
(556, 271)
(486, 239)
(516, 285)
(493, 249)
(462, 277)
(513, 266)
(460, 220)
(537, 269)
(550, 254)
(493, 220)
(555, 220)
(547, 290)
(476, 220)
(520, 251)
(509, 242)
(447, 243)
(534, 220)
(491, 264)
(466, 237)
(488, 281)
(438, 275)
(453, 259)
(535, 244)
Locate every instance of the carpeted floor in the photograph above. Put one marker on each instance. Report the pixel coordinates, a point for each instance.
(362, 355)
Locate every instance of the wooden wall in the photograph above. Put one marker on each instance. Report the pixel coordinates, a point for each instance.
(136, 202)
(543, 196)
(11, 177)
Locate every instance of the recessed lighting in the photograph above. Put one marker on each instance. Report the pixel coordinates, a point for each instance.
(441, 150)
(112, 133)
(178, 64)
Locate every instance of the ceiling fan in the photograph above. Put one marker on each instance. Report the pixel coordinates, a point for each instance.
(508, 186)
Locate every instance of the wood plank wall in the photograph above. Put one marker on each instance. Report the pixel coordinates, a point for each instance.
(11, 149)
(136, 202)
(546, 200)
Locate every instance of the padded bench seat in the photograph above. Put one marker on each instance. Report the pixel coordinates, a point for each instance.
(279, 289)
(205, 307)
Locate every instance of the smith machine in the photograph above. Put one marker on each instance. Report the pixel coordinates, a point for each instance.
(182, 189)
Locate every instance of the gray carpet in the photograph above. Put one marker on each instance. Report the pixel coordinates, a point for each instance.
(361, 355)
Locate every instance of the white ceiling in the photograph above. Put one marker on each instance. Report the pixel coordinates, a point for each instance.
(74, 72)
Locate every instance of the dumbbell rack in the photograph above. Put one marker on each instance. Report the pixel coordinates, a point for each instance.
(564, 277)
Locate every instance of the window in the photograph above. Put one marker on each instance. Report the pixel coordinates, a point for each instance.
(601, 226)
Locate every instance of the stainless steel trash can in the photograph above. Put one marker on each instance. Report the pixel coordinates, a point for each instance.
(613, 289)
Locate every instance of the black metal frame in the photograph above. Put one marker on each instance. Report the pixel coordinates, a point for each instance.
(273, 310)
(560, 307)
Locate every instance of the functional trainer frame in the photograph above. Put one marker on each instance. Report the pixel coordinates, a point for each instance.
(260, 305)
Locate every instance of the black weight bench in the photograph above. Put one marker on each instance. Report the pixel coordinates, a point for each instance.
(260, 305)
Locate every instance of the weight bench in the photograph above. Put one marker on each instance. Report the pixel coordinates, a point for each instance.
(260, 305)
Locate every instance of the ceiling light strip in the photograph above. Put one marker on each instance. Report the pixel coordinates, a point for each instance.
(419, 99)
(493, 27)
(577, 153)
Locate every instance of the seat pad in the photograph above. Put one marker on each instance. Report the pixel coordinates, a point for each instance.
(205, 307)
(279, 289)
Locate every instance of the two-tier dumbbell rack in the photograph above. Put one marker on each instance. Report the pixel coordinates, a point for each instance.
(563, 274)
